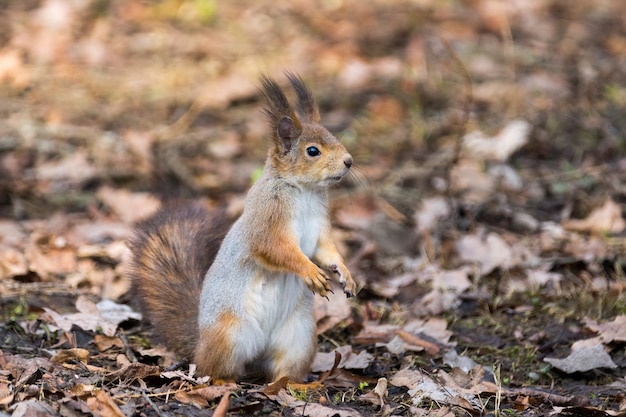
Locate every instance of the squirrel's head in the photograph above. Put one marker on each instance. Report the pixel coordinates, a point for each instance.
(302, 149)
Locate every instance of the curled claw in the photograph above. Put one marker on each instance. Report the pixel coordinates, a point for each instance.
(317, 281)
(345, 279)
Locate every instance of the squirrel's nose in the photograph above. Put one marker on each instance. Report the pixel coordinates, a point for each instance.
(347, 161)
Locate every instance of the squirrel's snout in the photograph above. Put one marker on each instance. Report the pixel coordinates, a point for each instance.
(347, 161)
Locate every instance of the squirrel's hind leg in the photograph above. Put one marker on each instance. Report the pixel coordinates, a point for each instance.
(292, 348)
(215, 354)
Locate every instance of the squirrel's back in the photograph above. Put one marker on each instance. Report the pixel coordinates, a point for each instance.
(171, 253)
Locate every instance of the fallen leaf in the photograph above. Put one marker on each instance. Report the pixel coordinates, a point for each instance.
(393, 286)
(128, 206)
(431, 211)
(378, 394)
(82, 390)
(500, 146)
(73, 170)
(104, 342)
(33, 408)
(469, 176)
(332, 311)
(324, 361)
(134, 371)
(454, 360)
(190, 398)
(103, 405)
(605, 219)
(74, 354)
(222, 408)
(447, 286)
(105, 316)
(411, 339)
(489, 253)
(6, 394)
(583, 359)
(614, 331)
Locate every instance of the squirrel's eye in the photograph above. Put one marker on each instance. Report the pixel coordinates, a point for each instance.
(312, 151)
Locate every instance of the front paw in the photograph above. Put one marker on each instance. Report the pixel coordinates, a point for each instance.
(345, 279)
(317, 280)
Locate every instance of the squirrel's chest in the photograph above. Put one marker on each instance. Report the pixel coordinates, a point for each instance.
(310, 214)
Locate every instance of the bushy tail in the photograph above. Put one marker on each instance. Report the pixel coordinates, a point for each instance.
(171, 253)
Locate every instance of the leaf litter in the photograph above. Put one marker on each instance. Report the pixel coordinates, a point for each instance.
(484, 225)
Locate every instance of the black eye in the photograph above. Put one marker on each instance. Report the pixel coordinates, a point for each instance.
(312, 151)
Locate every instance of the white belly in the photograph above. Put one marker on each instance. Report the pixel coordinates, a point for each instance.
(310, 217)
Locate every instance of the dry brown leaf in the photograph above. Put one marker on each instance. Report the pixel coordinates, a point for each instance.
(22, 369)
(378, 394)
(105, 316)
(73, 170)
(318, 410)
(447, 286)
(104, 342)
(33, 408)
(103, 405)
(12, 262)
(6, 394)
(275, 387)
(430, 348)
(443, 388)
(49, 254)
(435, 327)
(324, 361)
(604, 219)
(211, 392)
(74, 354)
(134, 371)
(222, 408)
(82, 390)
(332, 311)
(613, 331)
(128, 206)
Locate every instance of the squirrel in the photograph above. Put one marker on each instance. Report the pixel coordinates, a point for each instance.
(239, 301)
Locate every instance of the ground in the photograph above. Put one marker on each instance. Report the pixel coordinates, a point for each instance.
(483, 219)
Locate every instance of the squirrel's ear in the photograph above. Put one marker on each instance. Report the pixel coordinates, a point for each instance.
(285, 125)
(287, 132)
(306, 103)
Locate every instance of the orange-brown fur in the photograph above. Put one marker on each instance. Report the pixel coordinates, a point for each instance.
(213, 353)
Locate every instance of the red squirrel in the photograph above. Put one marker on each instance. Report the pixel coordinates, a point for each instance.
(241, 301)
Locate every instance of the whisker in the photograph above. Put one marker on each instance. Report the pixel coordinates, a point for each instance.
(358, 177)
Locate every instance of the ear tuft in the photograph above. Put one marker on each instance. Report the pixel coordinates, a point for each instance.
(286, 127)
(306, 103)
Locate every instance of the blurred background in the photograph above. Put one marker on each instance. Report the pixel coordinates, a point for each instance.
(488, 138)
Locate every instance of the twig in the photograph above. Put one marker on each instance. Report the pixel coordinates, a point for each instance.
(145, 395)
(129, 352)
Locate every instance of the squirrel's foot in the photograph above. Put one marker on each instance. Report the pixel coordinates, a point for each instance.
(317, 281)
(345, 279)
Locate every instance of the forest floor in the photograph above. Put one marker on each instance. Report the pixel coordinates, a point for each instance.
(484, 220)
